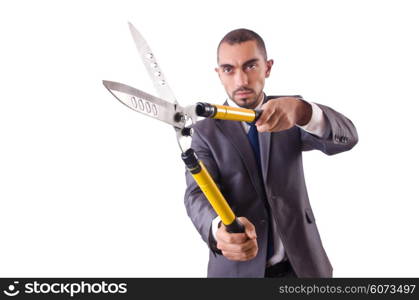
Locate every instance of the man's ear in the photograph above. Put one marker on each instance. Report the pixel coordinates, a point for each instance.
(269, 64)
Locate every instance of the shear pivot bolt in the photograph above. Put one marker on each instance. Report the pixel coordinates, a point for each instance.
(178, 117)
(187, 131)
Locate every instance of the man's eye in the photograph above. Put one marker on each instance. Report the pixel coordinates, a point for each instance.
(227, 69)
(251, 67)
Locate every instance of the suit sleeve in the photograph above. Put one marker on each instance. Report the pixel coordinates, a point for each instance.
(197, 206)
(340, 134)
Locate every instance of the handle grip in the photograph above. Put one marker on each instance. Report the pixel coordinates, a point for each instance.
(235, 227)
(204, 180)
(224, 112)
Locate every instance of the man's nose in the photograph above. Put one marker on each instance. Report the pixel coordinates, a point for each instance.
(241, 78)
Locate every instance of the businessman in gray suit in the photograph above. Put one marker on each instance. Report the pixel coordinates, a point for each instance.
(258, 168)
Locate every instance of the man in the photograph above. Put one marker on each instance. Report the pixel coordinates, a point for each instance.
(258, 168)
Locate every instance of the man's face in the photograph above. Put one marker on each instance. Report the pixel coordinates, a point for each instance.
(242, 70)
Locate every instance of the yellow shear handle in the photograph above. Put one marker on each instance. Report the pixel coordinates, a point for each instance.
(204, 180)
(224, 112)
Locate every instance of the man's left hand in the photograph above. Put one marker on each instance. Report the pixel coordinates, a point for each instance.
(283, 113)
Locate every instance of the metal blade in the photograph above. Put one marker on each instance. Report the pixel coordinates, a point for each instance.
(146, 104)
(153, 69)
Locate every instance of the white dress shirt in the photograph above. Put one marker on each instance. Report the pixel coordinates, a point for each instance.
(316, 126)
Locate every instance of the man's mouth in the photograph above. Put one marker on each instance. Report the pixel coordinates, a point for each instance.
(243, 93)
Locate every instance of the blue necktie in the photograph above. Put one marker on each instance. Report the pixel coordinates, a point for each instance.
(253, 137)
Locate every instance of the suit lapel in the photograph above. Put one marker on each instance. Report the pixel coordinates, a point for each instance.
(237, 136)
(235, 133)
(265, 147)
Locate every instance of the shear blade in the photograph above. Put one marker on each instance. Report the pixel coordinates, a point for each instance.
(145, 103)
(153, 68)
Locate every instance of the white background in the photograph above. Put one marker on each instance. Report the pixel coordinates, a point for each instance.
(91, 188)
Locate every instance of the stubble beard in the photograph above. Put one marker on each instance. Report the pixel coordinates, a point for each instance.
(249, 103)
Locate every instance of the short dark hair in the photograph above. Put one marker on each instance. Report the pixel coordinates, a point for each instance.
(242, 35)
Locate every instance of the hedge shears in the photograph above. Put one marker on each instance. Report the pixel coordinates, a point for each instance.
(166, 108)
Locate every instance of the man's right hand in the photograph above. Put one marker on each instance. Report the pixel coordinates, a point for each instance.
(238, 246)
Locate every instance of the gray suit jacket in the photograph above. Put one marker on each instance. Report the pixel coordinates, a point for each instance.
(224, 148)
